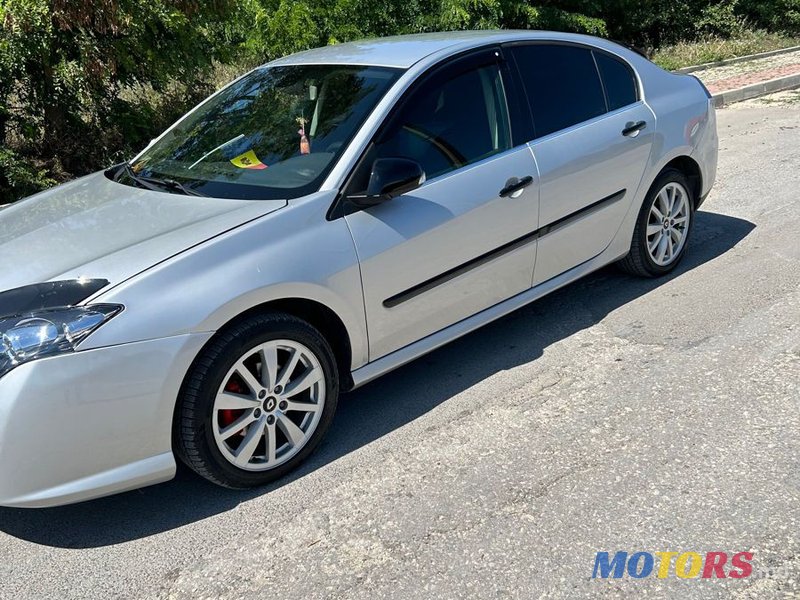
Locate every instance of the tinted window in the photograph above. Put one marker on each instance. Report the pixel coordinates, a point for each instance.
(562, 84)
(449, 123)
(618, 79)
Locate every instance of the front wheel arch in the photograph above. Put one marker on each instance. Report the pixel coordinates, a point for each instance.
(319, 316)
(190, 433)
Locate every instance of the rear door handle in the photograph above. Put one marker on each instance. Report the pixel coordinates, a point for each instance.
(632, 129)
(515, 184)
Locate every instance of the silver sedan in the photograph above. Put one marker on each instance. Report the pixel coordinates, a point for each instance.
(315, 224)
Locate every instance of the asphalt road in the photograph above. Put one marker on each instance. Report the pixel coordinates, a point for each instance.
(616, 414)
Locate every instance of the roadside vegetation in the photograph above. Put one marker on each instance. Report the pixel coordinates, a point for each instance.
(84, 84)
(713, 49)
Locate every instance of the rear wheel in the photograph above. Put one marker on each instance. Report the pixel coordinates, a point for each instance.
(662, 228)
(257, 401)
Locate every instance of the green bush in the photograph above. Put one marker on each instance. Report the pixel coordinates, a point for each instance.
(773, 15)
(721, 20)
(20, 178)
(67, 64)
(84, 84)
(713, 48)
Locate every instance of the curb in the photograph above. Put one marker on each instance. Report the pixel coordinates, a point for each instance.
(756, 89)
(738, 59)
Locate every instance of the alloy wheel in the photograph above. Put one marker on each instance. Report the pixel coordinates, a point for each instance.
(668, 224)
(269, 405)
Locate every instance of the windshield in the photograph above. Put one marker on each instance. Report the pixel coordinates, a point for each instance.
(275, 133)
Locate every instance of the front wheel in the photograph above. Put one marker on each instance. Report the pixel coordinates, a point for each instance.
(257, 401)
(662, 227)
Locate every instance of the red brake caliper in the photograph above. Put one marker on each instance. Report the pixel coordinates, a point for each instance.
(228, 416)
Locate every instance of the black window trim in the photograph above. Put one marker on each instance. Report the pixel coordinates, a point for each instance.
(519, 126)
(519, 83)
(631, 72)
(602, 82)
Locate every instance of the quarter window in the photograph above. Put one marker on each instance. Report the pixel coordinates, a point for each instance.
(562, 85)
(450, 122)
(618, 79)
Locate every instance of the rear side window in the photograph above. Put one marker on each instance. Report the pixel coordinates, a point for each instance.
(618, 79)
(562, 85)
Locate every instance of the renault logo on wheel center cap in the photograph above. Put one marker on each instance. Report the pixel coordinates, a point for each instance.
(270, 404)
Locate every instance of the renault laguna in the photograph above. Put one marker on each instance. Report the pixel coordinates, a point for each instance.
(320, 221)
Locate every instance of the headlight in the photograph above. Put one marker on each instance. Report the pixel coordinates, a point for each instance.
(48, 332)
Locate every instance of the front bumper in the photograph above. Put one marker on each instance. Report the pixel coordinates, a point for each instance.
(93, 423)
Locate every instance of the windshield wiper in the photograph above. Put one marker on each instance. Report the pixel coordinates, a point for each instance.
(156, 184)
(141, 181)
(173, 185)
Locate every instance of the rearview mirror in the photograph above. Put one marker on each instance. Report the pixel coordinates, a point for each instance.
(390, 177)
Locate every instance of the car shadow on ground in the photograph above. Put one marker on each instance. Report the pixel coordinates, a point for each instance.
(377, 408)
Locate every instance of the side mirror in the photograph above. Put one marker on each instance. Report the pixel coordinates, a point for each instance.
(390, 177)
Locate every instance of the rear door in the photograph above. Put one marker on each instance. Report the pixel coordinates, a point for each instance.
(592, 141)
(455, 245)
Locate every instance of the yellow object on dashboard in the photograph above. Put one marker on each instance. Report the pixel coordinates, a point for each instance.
(248, 160)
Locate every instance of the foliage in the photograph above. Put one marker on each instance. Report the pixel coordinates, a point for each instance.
(65, 64)
(773, 15)
(20, 178)
(722, 20)
(85, 83)
(284, 26)
(714, 48)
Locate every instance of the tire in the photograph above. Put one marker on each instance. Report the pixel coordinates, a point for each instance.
(218, 381)
(643, 261)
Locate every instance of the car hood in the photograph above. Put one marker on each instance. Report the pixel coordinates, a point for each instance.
(95, 227)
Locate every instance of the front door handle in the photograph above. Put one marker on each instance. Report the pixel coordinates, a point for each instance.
(632, 129)
(515, 184)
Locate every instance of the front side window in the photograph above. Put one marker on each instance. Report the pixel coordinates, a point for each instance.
(562, 85)
(447, 123)
(274, 134)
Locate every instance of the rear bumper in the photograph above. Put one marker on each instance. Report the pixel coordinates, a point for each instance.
(92, 423)
(706, 153)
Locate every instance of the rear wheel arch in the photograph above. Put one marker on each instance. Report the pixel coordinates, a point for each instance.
(691, 170)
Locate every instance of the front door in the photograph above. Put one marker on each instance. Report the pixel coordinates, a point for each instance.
(455, 245)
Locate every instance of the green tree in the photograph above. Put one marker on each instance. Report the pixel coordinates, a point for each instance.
(284, 26)
(66, 63)
(84, 83)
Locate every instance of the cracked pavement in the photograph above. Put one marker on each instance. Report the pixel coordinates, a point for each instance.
(615, 414)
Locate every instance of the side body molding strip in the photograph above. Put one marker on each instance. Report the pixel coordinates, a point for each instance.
(442, 278)
(421, 347)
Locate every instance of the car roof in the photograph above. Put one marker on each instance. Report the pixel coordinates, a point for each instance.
(403, 51)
